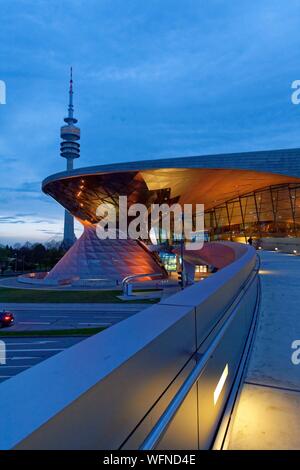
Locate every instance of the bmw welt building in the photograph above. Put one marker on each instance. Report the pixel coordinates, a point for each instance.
(253, 194)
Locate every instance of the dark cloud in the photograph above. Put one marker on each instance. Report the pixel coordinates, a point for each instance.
(10, 220)
(7, 160)
(50, 232)
(32, 187)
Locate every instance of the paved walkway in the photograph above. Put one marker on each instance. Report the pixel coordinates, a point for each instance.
(268, 413)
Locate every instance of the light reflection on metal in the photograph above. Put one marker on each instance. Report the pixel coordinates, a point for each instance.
(220, 384)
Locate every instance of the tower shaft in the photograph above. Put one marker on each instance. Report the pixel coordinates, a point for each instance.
(69, 234)
(69, 149)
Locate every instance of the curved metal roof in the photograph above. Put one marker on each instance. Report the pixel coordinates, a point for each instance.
(209, 180)
(283, 162)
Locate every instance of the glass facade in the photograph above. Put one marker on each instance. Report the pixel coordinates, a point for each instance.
(169, 261)
(273, 211)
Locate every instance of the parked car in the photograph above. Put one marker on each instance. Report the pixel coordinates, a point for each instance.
(6, 318)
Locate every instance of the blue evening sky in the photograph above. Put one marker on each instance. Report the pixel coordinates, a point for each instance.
(153, 78)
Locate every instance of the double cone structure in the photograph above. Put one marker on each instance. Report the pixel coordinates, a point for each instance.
(103, 262)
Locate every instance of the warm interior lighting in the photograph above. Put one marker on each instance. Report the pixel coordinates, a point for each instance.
(220, 384)
(240, 240)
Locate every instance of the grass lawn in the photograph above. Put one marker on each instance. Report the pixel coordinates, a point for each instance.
(69, 332)
(49, 296)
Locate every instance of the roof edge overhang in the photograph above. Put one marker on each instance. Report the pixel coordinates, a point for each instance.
(283, 162)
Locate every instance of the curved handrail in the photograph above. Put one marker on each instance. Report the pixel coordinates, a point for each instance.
(160, 428)
(127, 279)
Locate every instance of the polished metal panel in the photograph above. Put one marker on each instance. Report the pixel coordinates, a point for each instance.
(283, 162)
(228, 352)
(186, 418)
(109, 260)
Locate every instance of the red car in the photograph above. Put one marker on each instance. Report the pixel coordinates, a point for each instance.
(6, 318)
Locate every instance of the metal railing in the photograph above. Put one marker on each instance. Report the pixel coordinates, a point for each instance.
(162, 425)
(127, 279)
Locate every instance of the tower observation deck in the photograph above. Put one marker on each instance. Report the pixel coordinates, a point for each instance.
(69, 149)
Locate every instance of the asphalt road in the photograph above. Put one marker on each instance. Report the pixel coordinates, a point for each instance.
(61, 316)
(23, 353)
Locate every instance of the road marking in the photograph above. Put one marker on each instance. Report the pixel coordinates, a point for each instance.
(16, 358)
(55, 316)
(45, 342)
(99, 324)
(109, 318)
(76, 315)
(29, 343)
(33, 347)
(33, 323)
(33, 350)
(15, 367)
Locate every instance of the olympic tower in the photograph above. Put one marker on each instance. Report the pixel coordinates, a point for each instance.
(69, 149)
